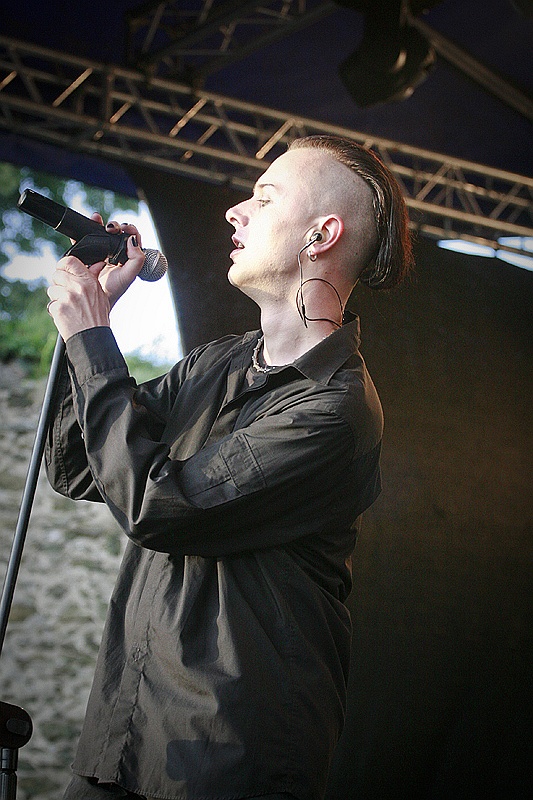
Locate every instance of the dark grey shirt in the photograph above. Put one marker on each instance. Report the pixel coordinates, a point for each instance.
(223, 666)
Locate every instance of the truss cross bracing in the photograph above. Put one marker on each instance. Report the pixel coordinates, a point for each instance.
(199, 37)
(120, 114)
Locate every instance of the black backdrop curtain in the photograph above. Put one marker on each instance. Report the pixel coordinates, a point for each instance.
(440, 690)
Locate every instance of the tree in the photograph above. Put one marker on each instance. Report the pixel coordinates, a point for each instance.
(27, 333)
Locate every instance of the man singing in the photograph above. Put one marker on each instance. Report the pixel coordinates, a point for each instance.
(240, 478)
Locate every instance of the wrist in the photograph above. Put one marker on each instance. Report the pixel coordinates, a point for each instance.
(70, 321)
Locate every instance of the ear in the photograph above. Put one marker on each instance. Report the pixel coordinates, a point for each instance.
(331, 229)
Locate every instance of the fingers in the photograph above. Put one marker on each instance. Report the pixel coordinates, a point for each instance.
(115, 227)
(136, 257)
(112, 227)
(71, 271)
(134, 249)
(77, 301)
(69, 265)
(113, 279)
(70, 276)
(57, 292)
(125, 227)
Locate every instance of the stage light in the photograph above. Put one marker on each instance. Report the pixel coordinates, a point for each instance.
(523, 243)
(393, 57)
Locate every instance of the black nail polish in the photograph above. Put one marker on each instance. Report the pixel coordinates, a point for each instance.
(134, 241)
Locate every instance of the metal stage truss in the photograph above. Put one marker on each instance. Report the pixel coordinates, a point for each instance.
(131, 116)
(200, 37)
(194, 39)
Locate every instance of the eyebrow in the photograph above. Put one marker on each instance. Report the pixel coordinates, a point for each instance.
(263, 186)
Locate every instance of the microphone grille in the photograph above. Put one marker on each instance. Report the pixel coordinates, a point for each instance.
(154, 267)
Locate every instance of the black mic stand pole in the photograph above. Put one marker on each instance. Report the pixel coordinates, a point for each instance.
(94, 245)
(15, 724)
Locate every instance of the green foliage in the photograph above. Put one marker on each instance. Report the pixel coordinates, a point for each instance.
(142, 369)
(27, 332)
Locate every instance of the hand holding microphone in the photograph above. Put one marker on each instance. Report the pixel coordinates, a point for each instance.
(92, 242)
(82, 298)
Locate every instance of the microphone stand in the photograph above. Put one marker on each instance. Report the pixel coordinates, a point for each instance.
(92, 244)
(15, 723)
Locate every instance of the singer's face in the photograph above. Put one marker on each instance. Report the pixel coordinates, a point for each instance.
(273, 225)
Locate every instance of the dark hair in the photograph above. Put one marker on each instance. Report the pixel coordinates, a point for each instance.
(394, 255)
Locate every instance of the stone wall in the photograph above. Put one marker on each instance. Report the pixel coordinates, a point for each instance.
(69, 564)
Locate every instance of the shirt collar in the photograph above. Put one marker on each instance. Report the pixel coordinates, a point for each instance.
(322, 361)
(325, 358)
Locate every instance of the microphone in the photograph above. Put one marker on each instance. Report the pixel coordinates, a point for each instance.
(92, 242)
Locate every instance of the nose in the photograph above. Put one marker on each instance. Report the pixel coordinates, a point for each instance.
(237, 215)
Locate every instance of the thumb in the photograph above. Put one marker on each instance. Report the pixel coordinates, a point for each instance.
(95, 269)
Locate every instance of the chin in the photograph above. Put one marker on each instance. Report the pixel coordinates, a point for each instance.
(232, 275)
(237, 275)
(242, 281)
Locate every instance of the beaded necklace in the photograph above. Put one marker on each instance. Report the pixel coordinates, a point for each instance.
(255, 358)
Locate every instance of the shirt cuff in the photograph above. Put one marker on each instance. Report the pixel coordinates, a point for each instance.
(93, 352)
